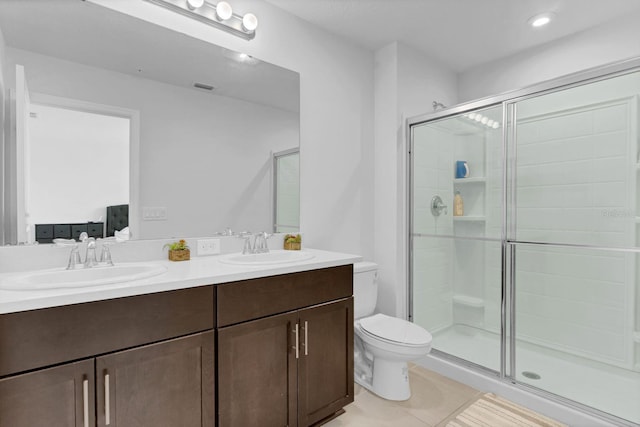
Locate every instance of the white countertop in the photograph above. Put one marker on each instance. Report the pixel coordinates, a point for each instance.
(199, 271)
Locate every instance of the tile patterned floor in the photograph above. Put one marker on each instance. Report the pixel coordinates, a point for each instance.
(433, 398)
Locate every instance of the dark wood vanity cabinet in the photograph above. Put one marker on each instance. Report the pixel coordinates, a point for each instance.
(294, 368)
(146, 360)
(62, 396)
(325, 367)
(272, 351)
(162, 385)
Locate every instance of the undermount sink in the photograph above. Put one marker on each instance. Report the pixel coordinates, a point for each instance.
(96, 276)
(268, 258)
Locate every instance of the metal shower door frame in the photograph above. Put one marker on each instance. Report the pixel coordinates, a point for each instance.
(509, 102)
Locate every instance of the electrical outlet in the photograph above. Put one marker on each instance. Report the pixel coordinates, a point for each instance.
(208, 246)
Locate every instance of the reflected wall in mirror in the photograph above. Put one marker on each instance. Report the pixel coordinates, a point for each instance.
(209, 118)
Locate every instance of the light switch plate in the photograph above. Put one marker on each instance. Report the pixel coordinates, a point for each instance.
(154, 213)
(208, 246)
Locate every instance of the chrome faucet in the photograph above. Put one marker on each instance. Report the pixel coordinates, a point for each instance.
(90, 256)
(90, 259)
(246, 248)
(74, 258)
(226, 232)
(259, 242)
(105, 256)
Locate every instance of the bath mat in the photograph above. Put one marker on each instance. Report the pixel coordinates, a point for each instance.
(490, 410)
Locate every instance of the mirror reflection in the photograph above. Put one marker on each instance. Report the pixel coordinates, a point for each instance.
(202, 125)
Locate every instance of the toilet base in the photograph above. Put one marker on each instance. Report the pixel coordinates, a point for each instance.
(390, 380)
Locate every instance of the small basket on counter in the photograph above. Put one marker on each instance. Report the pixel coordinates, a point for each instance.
(292, 242)
(178, 251)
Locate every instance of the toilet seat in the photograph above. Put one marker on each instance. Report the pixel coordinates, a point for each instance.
(395, 331)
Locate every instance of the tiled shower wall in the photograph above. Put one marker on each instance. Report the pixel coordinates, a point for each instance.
(432, 266)
(576, 184)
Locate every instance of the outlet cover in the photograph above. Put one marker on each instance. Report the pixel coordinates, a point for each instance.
(208, 246)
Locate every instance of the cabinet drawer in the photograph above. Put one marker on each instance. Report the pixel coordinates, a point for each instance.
(38, 338)
(251, 299)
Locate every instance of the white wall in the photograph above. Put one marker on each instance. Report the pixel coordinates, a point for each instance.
(336, 117)
(187, 139)
(3, 131)
(78, 165)
(406, 83)
(613, 41)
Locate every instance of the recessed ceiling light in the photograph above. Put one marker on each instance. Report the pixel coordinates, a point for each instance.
(541, 20)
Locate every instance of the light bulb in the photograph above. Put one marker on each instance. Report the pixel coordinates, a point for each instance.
(472, 116)
(478, 117)
(484, 120)
(249, 22)
(490, 123)
(223, 10)
(540, 20)
(544, 20)
(496, 125)
(194, 4)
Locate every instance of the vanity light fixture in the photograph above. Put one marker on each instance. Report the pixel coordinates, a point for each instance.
(541, 19)
(194, 4)
(223, 11)
(249, 22)
(218, 15)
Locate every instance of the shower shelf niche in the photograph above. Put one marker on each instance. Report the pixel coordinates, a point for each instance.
(473, 194)
(470, 218)
(473, 180)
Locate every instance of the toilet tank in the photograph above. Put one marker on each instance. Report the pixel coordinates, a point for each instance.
(365, 288)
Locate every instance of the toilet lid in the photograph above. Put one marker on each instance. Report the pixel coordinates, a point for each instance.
(396, 330)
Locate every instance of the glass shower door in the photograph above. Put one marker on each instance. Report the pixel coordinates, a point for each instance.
(456, 231)
(573, 230)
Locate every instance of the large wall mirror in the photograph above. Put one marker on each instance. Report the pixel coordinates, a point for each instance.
(195, 126)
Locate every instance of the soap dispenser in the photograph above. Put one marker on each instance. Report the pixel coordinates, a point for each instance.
(458, 204)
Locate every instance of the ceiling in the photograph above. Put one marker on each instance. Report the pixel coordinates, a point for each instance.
(459, 33)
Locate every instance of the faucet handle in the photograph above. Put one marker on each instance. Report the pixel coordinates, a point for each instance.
(105, 256)
(74, 258)
(437, 206)
(260, 245)
(246, 235)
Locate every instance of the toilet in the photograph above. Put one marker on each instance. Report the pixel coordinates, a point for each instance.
(382, 344)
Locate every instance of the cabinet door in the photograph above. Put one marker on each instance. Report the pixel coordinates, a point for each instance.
(257, 371)
(56, 397)
(325, 368)
(162, 385)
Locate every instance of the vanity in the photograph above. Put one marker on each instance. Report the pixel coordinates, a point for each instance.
(205, 344)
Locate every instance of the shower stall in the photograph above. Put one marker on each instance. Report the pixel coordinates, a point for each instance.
(536, 281)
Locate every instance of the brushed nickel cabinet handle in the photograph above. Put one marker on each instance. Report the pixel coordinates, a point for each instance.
(295, 331)
(85, 402)
(306, 338)
(107, 403)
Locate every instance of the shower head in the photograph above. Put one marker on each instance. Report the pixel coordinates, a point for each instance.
(437, 105)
